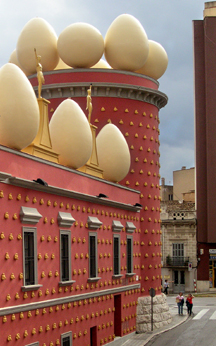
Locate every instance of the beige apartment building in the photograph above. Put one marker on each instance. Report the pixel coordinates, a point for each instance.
(179, 246)
(184, 184)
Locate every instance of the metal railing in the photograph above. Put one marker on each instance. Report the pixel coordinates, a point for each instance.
(177, 261)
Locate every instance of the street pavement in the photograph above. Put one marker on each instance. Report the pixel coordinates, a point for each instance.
(142, 339)
(199, 330)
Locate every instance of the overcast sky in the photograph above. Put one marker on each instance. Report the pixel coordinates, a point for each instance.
(168, 22)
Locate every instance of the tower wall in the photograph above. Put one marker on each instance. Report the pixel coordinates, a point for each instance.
(131, 102)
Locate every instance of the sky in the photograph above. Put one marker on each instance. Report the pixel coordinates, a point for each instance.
(168, 22)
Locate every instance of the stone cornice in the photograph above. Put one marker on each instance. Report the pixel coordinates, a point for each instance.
(29, 184)
(65, 300)
(4, 175)
(179, 223)
(99, 89)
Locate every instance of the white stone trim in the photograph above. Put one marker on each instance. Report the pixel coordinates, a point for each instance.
(65, 219)
(93, 223)
(117, 226)
(130, 227)
(29, 215)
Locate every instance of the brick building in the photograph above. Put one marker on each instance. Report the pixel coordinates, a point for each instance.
(205, 126)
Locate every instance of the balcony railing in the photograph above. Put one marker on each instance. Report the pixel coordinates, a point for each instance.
(177, 261)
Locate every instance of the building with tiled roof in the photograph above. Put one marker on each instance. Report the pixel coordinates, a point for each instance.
(179, 246)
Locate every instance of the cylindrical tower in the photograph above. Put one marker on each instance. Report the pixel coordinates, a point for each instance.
(132, 102)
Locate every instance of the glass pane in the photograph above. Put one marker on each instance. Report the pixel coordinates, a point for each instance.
(178, 254)
(65, 257)
(129, 255)
(92, 256)
(116, 256)
(66, 341)
(29, 258)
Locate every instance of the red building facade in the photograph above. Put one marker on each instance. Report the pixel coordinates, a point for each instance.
(73, 264)
(205, 126)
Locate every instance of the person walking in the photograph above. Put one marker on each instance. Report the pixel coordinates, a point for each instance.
(180, 303)
(189, 303)
(166, 286)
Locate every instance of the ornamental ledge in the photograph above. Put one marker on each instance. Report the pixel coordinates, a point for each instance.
(118, 90)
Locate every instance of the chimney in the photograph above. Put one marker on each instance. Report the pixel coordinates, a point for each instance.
(162, 181)
(210, 9)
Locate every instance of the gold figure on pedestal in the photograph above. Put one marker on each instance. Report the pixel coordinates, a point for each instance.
(92, 166)
(89, 103)
(40, 75)
(42, 144)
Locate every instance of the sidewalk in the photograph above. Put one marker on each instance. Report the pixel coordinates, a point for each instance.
(142, 339)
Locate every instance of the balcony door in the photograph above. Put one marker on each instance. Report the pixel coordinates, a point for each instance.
(179, 281)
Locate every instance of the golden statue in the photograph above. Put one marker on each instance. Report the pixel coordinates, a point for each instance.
(92, 166)
(40, 75)
(89, 103)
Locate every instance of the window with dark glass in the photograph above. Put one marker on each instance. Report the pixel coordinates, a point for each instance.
(129, 254)
(178, 253)
(30, 274)
(65, 271)
(92, 256)
(116, 256)
(170, 197)
(29, 258)
(66, 339)
(65, 257)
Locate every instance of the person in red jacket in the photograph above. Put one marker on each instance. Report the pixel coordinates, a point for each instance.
(189, 303)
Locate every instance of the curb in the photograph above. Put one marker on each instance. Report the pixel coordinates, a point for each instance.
(165, 330)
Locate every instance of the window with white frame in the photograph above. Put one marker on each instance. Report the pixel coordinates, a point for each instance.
(116, 254)
(93, 260)
(30, 256)
(65, 255)
(178, 253)
(129, 254)
(66, 339)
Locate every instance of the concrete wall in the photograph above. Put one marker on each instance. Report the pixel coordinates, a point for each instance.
(183, 182)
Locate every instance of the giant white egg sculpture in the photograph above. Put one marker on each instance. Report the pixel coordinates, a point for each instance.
(101, 64)
(61, 65)
(71, 134)
(157, 61)
(13, 59)
(80, 45)
(19, 111)
(39, 34)
(126, 44)
(113, 153)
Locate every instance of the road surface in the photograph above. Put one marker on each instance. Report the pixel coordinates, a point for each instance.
(199, 330)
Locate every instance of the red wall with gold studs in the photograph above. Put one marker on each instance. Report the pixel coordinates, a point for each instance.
(138, 121)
